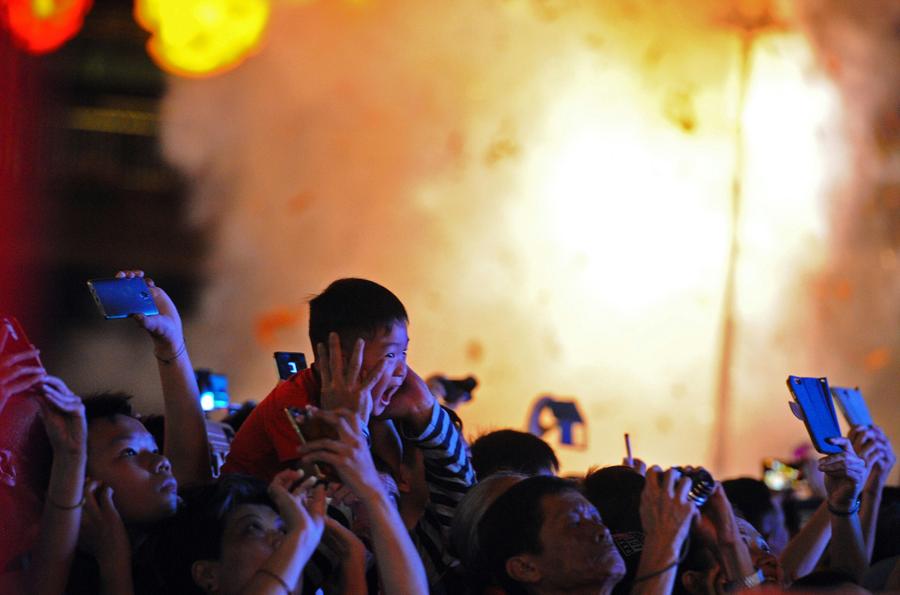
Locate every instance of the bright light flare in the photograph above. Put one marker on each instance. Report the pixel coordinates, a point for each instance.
(41, 26)
(202, 37)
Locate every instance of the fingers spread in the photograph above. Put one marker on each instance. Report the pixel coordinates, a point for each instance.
(324, 368)
(335, 356)
(356, 359)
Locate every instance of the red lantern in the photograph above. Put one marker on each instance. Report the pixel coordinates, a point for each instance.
(41, 26)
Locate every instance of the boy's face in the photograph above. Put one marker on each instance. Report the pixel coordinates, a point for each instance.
(123, 455)
(390, 344)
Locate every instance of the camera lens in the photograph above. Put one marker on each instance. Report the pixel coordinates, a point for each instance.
(702, 485)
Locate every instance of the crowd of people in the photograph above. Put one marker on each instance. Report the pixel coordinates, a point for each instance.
(351, 477)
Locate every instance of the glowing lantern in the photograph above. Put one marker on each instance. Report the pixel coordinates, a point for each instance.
(41, 26)
(202, 37)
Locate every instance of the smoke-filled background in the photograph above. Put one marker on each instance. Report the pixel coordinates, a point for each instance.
(660, 209)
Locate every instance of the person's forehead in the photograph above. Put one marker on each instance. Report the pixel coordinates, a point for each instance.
(559, 505)
(397, 333)
(250, 511)
(120, 428)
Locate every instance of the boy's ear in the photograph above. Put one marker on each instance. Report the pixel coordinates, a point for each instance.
(523, 569)
(206, 575)
(403, 477)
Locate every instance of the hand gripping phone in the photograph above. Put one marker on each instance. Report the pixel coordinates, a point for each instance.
(852, 404)
(812, 404)
(308, 428)
(120, 298)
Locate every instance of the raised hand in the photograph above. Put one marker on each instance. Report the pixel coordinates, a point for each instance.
(844, 475)
(63, 414)
(103, 533)
(666, 510)
(350, 455)
(301, 505)
(344, 385)
(635, 463)
(873, 446)
(412, 404)
(165, 328)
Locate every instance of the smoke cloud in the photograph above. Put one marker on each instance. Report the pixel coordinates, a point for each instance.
(547, 187)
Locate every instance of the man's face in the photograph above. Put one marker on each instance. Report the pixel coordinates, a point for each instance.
(123, 455)
(390, 344)
(577, 548)
(762, 556)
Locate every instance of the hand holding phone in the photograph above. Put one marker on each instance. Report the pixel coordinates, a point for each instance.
(309, 428)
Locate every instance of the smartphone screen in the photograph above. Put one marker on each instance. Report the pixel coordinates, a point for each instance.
(120, 298)
(289, 363)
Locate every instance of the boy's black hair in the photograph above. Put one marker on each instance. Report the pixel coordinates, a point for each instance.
(511, 450)
(195, 532)
(107, 405)
(512, 526)
(353, 308)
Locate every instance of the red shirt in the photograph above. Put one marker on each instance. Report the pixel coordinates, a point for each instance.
(266, 442)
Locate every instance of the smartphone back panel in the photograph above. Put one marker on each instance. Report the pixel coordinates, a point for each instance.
(814, 402)
(852, 405)
(120, 298)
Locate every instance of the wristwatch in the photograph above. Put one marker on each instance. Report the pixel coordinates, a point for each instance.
(748, 582)
(854, 508)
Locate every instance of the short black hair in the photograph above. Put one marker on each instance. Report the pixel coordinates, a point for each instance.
(616, 494)
(511, 450)
(750, 498)
(353, 308)
(512, 526)
(195, 532)
(107, 405)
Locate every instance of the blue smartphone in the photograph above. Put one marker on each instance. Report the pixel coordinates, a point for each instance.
(852, 405)
(813, 404)
(120, 298)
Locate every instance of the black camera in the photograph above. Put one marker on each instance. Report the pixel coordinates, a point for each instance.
(453, 390)
(702, 484)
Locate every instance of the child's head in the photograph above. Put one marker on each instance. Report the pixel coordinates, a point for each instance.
(222, 535)
(123, 455)
(512, 450)
(358, 308)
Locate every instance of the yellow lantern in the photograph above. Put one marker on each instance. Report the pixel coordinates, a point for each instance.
(198, 38)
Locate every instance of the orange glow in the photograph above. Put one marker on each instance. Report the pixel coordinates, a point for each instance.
(41, 26)
(202, 37)
(548, 188)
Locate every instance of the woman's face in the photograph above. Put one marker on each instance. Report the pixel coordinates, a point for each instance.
(252, 534)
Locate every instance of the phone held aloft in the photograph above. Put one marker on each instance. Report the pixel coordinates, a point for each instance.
(120, 298)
